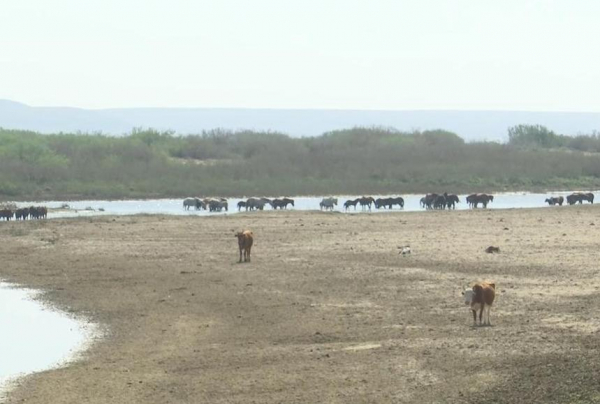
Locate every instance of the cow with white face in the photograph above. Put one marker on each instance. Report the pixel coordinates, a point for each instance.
(481, 297)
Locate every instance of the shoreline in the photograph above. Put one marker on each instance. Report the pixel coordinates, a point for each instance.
(80, 198)
(339, 195)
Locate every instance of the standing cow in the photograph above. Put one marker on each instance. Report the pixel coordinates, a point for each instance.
(245, 241)
(481, 297)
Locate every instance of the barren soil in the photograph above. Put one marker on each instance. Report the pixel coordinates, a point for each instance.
(328, 311)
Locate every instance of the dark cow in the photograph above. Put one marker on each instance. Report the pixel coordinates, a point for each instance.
(217, 206)
(38, 212)
(451, 201)
(366, 201)
(389, 202)
(6, 214)
(579, 197)
(349, 203)
(328, 203)
(21, 214)
(428, 200)
(558, 200)
(476, 199)
(471, 200)
(241, 204)
(245, 241)
(266, 201)
(254, 203)
(282, 203)
(188, 203)
(440, 202)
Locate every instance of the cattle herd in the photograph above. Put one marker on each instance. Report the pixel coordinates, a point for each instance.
(8, 212)
(572, 199)
(431, 201)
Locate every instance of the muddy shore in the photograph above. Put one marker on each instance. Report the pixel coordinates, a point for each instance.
(328, 311)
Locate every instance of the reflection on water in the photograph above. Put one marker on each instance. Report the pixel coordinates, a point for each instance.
(175, 206)
(33, 337)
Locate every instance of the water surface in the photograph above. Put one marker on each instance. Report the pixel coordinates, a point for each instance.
(175, 206)
(33, 337)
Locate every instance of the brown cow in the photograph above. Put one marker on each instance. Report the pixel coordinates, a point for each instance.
(245, 240)
(481, 297)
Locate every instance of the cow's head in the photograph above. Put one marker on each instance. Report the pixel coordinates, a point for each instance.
(468, 295)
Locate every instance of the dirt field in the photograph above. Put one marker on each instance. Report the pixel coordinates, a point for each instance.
(328, 311)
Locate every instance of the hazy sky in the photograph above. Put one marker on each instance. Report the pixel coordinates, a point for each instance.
(378, 54)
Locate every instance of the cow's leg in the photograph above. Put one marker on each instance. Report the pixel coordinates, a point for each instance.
(241, 249)
(481, 314)
(474, 317)
(248, 252)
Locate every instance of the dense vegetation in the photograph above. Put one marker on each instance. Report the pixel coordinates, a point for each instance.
(537, 136)
(148, 163)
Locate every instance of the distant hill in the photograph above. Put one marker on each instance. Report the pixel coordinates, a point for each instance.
(471, 125)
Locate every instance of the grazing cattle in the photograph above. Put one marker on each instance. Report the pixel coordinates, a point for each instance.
(349, 203)
(422, 202)
(266, 201)
(428, 201)
(38, 212)
(256, 203)
(574, 198)
(452, 200)
(481, 297)
(6, 214)
(579, 197)
(217, 206)
(475, 199)
(380, 203)
(189, 202)
(366, 201)
(200, 204)
(21, 214)
(471, 200)
(555, 200)
(397, 201)
(241, 204)
(251, 203)
(328, 203)
(282, 203)
(245, 241)
(440, 202)
(389, 202)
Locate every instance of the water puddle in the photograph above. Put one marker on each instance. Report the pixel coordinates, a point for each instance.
(33, 337)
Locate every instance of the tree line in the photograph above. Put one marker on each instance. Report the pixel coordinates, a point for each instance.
(149, 163)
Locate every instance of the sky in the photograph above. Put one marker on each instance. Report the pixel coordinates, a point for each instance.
(531, 55)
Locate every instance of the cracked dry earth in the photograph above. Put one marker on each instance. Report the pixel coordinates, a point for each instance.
(328, 311)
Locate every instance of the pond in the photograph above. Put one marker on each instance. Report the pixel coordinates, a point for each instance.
(175, 206)
(34, 337)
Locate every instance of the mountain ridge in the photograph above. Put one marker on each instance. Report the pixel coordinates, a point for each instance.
(474, 125)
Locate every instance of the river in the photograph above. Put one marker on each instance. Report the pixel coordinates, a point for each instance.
(175, 206)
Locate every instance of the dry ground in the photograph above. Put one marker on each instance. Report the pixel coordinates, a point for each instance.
(326, 312)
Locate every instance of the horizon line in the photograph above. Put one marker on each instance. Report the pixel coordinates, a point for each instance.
(301, 109)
